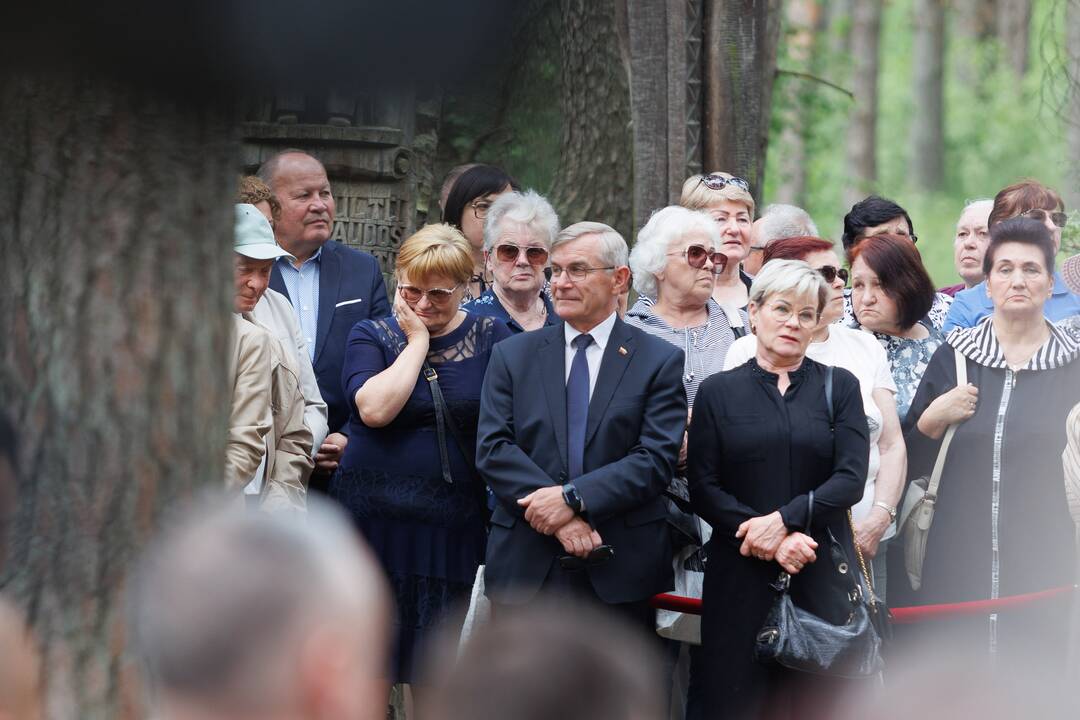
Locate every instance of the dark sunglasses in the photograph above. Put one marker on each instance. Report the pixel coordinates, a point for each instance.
(830, 273)
(716, 181)
(1058, 218)
(437, 296)
(697, 255)
(509, 253)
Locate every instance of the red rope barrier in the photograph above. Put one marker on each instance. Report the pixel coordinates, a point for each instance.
(901, 616)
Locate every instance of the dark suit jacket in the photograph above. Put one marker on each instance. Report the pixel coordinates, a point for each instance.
(344, 274)
(637, 415)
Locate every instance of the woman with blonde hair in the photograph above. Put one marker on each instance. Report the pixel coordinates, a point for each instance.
(728, 200)
(407, 475)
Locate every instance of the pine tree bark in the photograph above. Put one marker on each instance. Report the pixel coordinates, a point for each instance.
(862, 133)
(115, 296)
(594, 180)
(1014, 32)
(928, 120)
(741, 40)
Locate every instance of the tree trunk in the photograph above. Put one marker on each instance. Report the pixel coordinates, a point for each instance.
(741, 40)
(1072, 110)
(116, 294)
(862, 133)
(803, 20)
(1014, 32)
(974, 24)
(594, 180)
(928, 121)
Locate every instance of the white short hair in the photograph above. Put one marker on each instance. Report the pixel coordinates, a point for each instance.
(613, 250)
(781, 221)
(529, 208)
(795, 276)
(649, 255)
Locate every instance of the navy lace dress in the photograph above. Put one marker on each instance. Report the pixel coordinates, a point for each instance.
(428, 534)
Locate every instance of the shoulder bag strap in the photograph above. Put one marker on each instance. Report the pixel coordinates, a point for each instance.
(444, 422)
(943, 451)
(734, 320)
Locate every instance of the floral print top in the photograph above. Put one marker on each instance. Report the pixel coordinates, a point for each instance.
(908, 359)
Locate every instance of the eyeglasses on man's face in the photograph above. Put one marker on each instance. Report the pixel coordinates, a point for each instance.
(697, 255)
(782, 312)
(576, 273)
(436, 296)
(509, 253)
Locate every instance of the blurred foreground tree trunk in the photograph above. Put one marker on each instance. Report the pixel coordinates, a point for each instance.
(862, 132)
(114, 309)
(594, 180)
(1014, 32)
(804, 21)
(928, 120)
(740, 40)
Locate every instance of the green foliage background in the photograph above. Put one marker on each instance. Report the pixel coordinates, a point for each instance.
(997, 130)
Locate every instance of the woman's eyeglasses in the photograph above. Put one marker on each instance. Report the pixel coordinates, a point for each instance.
(1058, 218)
(716, 181)
(830, 273)
(782, 313)
(436, 296)
(509, 253)
(697, 255)
(480, 208)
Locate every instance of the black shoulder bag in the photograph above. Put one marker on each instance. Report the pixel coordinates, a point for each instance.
(445, 422)
(800, 640)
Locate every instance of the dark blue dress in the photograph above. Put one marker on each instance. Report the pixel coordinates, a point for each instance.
(428, 534)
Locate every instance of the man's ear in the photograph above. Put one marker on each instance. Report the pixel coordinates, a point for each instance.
(622, 279)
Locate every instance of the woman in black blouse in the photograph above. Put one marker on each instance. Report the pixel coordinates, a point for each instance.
(760, 441)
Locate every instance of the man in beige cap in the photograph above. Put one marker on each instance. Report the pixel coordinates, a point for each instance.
(266, 380)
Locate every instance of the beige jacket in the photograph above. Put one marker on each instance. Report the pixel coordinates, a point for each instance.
(289, 443)
(250, 420)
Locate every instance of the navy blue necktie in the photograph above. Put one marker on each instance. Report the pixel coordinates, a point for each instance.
(577, 405)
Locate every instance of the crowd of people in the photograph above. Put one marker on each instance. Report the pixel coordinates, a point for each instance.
(510, 427)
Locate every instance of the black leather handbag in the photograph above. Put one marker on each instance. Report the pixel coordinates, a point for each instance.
(800, 640)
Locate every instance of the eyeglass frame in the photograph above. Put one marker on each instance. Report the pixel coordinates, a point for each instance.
(520, 248)
(836, 272)
(783, 320)
(433, 299)
(1054, 215)
(710, 255)
(476, 211)
(708, 180)
(581, 272)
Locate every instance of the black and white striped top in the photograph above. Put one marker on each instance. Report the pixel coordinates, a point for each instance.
(705, 346)
(980, 345)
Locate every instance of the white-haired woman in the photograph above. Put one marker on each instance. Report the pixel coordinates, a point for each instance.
(760, 443)
(728, 200)
(674, 263)
(518, 234)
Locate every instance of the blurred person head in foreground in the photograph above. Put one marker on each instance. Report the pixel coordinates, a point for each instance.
(223, 619)
(20, 667)
(560, 661)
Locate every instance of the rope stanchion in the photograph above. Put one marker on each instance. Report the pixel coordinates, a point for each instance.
(904, 615)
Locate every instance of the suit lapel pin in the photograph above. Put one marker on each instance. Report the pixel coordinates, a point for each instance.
(622, 350)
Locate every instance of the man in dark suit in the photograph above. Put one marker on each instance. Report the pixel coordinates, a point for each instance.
(331, 286)
(579, 432)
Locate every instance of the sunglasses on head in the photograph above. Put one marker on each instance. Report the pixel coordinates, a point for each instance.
(716, 181)
(830, 273)
(509, 253)
(1058, 218)
(697, 255)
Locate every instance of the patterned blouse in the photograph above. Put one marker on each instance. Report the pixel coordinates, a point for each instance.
(908, 359)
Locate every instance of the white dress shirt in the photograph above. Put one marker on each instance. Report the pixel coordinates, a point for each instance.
(594, 353)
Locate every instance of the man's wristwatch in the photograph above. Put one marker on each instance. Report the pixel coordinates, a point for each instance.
(887, 508)
(571, 497)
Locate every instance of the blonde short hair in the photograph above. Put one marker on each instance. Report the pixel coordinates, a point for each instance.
(696, 195)
(436, 250)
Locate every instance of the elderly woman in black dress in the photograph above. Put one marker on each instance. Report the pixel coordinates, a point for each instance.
(1001, 525)
(759, 443)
